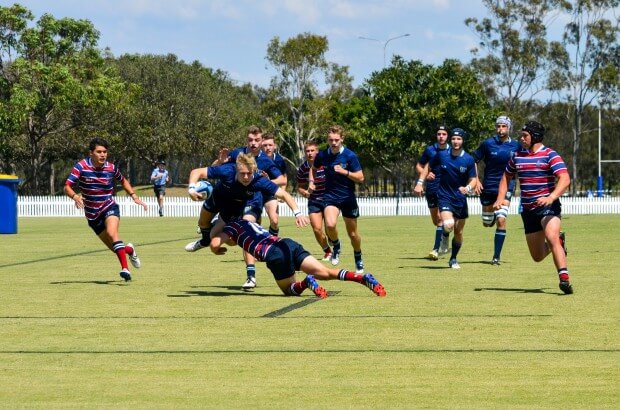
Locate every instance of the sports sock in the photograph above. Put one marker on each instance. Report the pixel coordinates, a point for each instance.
(500, 236)
(298, 287)
(250, 270)
(274, 231)
(119, 250)
(206, 236)
(327, 249)
(128, 250)
(336, 246)
(438, 234)
(563, 274)
(357, 255)
(346, 275)
(456, 247)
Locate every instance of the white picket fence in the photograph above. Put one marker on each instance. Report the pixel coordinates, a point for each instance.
(43, 206)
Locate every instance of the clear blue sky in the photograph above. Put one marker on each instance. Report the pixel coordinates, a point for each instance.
(232, 35)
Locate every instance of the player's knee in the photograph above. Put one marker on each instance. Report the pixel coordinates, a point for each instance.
(488, 218)
(448, 225)
(502, 212)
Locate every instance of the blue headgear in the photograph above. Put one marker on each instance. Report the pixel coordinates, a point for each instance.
(459, 132)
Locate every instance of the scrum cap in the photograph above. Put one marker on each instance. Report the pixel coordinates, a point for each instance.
(535, 129)
(503, 119)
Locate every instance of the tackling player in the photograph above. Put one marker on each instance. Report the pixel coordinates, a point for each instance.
(284, 257)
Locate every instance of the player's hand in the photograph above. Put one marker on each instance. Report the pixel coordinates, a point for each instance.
(339, 170)
(265, 174)
(220, 250)
(478, 189)
(544, 201)
(301, 221)
(79, 202)
(138, 201)
(418, 190)
(195, 196)
(223, 155)
(430, 176)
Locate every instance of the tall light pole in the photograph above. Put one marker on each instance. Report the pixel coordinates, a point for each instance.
(385, 43)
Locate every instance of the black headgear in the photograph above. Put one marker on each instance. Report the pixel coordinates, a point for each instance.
(161, 162)
(535, 129)
(459, 132)
(442, 128)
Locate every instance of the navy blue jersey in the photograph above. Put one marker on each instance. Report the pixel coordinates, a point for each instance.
(338, 187)
(495, 155)
(455, 172)
(252, 237)
(263, 162)
(427, 157)
(280, 162)
(230, 195)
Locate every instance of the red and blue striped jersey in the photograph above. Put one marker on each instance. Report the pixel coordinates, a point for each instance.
(96, 186)
(252, 237)
(537, 172)
(303, 177)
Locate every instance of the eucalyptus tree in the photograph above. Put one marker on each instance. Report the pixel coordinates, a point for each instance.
(294, 102)
(586, 65)
(511, 59)
(51, 76)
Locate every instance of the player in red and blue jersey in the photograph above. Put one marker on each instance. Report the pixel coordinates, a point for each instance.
(237, 185)
(314, 194)
(458, 178)
(495, 153)
(440, 245)
(95, 178)
(543, 178)
(342, 172)
(284, 257)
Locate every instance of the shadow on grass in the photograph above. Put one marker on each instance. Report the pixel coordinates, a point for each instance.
(92, 282)
(71, 255)
(517, 290)
(232, 291)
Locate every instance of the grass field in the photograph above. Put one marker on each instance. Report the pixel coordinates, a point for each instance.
(182, 334)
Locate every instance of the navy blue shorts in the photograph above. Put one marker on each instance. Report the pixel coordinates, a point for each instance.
(532, 217)
(315, 206)
(98, 225)
(431, 199)
(285, 258)
(159, 190)
(459, 210)
(348, 207)
(488, 198)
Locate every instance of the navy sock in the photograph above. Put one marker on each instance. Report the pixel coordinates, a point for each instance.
(274, 231)
(500, 236)
(438, 234)
(250, 270)
(456, 247)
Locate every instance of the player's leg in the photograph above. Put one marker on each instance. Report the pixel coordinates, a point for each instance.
(110, 237)
(313, 267)
(250, 261)
(501, 217)
(447, 216)
(271, 207)
(204, 224)
(552, 226)
(331, 213)
(160, 201)
(316, 221)
(356, 242)
(457, 242)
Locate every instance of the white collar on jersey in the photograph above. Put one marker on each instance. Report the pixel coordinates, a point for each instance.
(339, 151)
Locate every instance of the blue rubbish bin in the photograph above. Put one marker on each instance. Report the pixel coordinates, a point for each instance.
(8, 203)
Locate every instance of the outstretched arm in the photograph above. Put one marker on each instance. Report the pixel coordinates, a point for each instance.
(130, 191)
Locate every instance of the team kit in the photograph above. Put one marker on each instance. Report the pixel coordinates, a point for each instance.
(242, 183)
